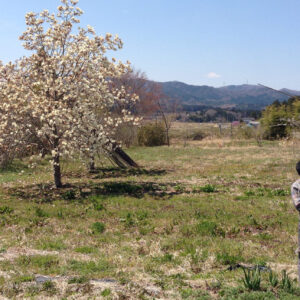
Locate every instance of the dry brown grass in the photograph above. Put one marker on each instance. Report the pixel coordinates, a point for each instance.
(172, 241)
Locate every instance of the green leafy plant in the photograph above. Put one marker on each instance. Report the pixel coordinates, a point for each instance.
(98, 227)
(129, 221)
(286, 282)
(209, 188)
(167, 257)
(280, 192)
(252, 279)
(5, 210)
(24, 278)
(273, 279)
(249, 193)
(106, 293)
(78, 280)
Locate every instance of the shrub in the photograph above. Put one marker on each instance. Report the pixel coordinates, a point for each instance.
(152, 135)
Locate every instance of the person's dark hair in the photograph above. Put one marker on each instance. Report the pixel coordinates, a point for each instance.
(298, 167)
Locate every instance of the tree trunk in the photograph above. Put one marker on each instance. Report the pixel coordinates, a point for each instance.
(56, 171)
(92, 165)
(168, 139)
(56, 163)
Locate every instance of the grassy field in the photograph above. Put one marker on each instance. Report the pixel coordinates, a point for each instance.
(170, 230)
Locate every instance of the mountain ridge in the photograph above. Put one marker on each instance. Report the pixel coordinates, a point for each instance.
(245, 96)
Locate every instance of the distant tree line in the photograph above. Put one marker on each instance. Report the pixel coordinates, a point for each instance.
(201, 113)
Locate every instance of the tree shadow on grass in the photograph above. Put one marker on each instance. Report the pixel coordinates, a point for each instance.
(112, 172)
(135, 189)
(78, 191)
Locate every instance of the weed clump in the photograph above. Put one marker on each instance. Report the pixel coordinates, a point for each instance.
(41, 213)
(209, 228)
(85, 250)
(78, 280)
(105, 292)
(5, 210)
(24, 278)
(49, 287)
(86, 268)
(98, 227)
(44, 263)
(97, 204)
(129, 221)
(208, 188)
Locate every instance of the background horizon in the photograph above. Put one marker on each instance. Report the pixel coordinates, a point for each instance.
(197, 42)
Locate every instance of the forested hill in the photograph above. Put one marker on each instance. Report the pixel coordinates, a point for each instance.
(240, 96)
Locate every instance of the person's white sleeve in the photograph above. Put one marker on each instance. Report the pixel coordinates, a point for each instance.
(295, 192)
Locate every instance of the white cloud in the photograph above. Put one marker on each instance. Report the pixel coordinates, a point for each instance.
(213, 75)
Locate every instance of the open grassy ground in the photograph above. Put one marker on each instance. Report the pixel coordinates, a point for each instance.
(168, 231)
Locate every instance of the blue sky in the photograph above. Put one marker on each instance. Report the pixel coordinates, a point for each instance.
(202, 42)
